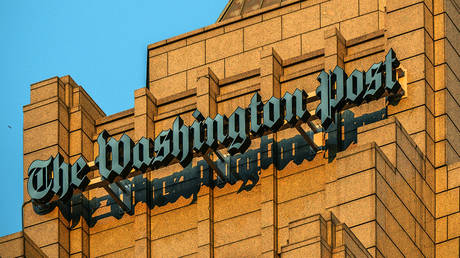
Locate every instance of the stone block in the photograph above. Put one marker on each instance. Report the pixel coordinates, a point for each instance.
(360, 26)
(356, 212)
(441, 229)
(144, 103)
(367, 6)
(386, 132)
(248, 247)
(162, 47)
(174, 84)
(301, 184)
(447, 202)
(396, 207)
(398, 235)
(300, 21)
(267, 221)
(411, 151)
(186, 57)
(193, 74)
(158, 67)
(453, 225)
(205, 35)
(350, 188)
(413, 120)
(224, 45)
(278, 11)
(405, 19)
(39, 115)
(236, 204)
(46, 89)
(45, 233)
(406, 168)
(262, 33)
(356, 162)
(112, 240)
(424, 243)
(395, 4)
(453, 177)
(128, 252)
(409, 44)
(241, 63)
(451, 57)
(287, 48)
(237, 228)
(336, 11)
(363, 64)
(441, 179)
(47, 133)
(448, 249)
(76, 237)
(386, 245)
(366, 233)
(173, 222)
(312, 40)
(243, 23)
(54, 250)
(141, 224)
(430, 225)
(204, 232)
(308, 228)
(451, 32)
(12, 248)
(111, 222)
(300, 208)
(390, 153)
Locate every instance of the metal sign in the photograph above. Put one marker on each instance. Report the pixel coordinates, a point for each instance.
(119, 159)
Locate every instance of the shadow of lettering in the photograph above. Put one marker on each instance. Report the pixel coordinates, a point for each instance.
(244, 168)
(349, 133)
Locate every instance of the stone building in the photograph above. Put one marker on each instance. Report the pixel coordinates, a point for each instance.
(384, 182)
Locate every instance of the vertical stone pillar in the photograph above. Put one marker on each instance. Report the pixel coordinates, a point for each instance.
(46, 132)
(53, 124)
(83, 112)
(270, 72)
(206, 94)
(446, 74)
(145, 108)
(447, 122)
(334, 49)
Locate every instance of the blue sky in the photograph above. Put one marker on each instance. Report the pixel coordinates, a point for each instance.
(101, 44)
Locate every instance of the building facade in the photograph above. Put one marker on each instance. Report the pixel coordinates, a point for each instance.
(383, 180)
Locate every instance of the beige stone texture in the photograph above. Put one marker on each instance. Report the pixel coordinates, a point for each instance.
(336, 11)
(360, 26)
(241, 63)
(175, 84)
(158, 67)
(448, 249)
(186, 58)
(262, 33)
(224, 45)
(367, 6)
(300, 21)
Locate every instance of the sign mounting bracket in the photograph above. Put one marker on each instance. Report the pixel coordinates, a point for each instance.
(306, 137)
(212, 165)
(126, 203)
(219, 155)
